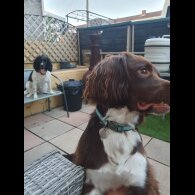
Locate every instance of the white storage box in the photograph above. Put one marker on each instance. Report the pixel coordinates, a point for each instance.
(157, 51)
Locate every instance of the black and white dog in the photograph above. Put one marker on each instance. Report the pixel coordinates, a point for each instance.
(40, 78)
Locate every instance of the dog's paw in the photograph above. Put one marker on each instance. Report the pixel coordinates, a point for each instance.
(35, 96)
(94, 192)
(29, 95)
(52, 92)
(25, 93)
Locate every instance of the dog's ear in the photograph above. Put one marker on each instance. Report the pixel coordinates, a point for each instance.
(36, 63)
(49, 64)
(108, 83)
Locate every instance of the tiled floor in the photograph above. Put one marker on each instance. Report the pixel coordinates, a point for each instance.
(53, 130)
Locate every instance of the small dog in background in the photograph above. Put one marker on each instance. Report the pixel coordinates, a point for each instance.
(40, 78)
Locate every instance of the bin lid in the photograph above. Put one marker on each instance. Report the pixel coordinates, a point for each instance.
(72, 83)
(157, 41)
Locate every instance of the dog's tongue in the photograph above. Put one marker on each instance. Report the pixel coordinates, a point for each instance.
(154, 107)
(143, 106)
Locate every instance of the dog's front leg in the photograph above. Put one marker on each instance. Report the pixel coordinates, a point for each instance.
(35, 89)
(50, 88)
(25, 92)
(29, 89)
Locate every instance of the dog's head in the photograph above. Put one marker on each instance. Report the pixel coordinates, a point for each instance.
(42, 64)
(128, 80)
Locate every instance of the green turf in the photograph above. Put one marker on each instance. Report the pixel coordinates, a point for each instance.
(156, 127)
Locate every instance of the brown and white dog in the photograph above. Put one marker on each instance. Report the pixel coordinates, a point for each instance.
(124, 88)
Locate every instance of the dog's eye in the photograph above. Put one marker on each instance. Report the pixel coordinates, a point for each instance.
(144, 71)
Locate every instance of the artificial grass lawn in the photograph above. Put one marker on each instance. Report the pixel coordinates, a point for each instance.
(155, 126)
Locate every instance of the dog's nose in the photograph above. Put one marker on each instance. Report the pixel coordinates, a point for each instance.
(41, 65)
(168, 82)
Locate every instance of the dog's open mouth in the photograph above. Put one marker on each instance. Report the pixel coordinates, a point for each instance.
(153, 108)
(42, 71)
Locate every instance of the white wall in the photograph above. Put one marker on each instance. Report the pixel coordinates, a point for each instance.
(164, 11)
(33, 7)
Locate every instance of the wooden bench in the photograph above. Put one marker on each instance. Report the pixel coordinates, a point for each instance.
(45, 95)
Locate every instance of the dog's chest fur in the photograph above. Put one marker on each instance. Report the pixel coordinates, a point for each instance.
(123, 167)
(42, 82)
(41, 78)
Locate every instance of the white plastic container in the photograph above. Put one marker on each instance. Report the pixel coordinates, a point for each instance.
(157, 51)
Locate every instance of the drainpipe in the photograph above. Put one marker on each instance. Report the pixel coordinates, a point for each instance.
(95, 50)
(95, 54)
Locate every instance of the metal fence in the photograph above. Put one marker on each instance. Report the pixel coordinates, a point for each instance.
(127, 36)
(50, 36)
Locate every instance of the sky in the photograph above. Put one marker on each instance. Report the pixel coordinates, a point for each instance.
(109, 8)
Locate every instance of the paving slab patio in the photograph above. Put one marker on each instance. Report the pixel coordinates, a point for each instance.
(87, 108)
(37, 152)
(51, 129)
(145, 139)
(162, 173)
(68, 141)
(36, 120)
(83, 126)
(56, 112)
(76, 118)
(159, 151)
(31, 140)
